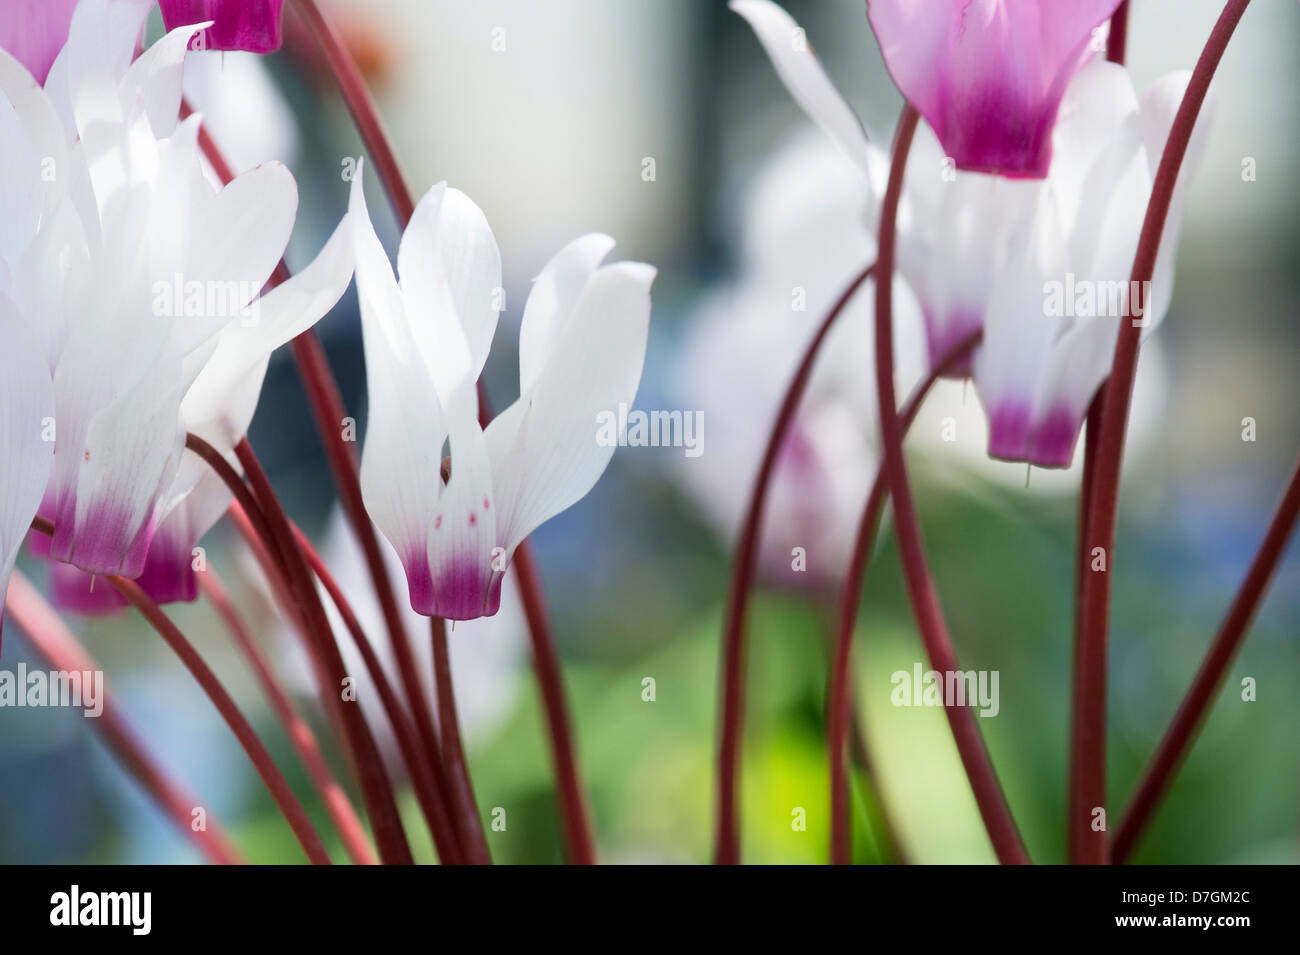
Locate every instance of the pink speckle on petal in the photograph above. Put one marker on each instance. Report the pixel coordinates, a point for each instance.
(473, 519)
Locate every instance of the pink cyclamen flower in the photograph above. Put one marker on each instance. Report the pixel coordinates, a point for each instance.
(988, 75)
(34, 31)
(252, 25)
(582, 345)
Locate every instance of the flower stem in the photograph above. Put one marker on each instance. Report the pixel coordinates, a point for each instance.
(60, 648)
(432, 792)
(850, 595)
(1191, 713)
(332, 796)
(726, 849)
(471, 825)
(1088, 757)
(546, 661)
(266, 768)
(275, 782)
(546, 665)
(1117, 40)
(357, 98)
(920, 587)
(375, 785)
(1116, 50)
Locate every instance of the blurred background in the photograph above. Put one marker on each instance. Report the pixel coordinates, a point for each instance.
(550, 116)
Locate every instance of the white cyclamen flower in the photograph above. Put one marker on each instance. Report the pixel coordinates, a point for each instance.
(139, 283)
(582, 345)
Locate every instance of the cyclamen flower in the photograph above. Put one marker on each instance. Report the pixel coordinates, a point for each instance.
(804, 239)
(988, 75)
(33, 31)
(582, 345)
(983, 252)
(102, 264)
(252, 25)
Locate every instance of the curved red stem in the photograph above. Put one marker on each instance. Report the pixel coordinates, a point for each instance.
(430, 791)
(275, 782)
(375, 785)
(920, 587)
(840, 706)
(300, 735)
(54, 642)
(471, 825)
(1088, 756)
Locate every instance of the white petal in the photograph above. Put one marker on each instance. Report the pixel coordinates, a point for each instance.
(51, 279)
(1072, 370)
(545, 449)
(552, 298)
(450, 270)
(22, 197)
(404, 430)
(1018, 336)
(26, 412)
(246, 345)
(787, 45)
(466, 584)
(1098, 175)
(241, 233)
(966, 254)
(39, 118)
(101, 44)
(129, 460)
(153, 81)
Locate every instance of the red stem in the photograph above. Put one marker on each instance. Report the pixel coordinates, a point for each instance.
(1116, 49)
(471, 825)
(850, 596)
(403, 732)
(727, 837)
(357, 97)
(431, 792)
(261, 759)
(1088, 757)
(266, 768)
(57, 645)
(332, 796)
(375, 785)
(1117, 41)
(920, 587)
(546, 664)
(1191, 713)
(577, 828)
